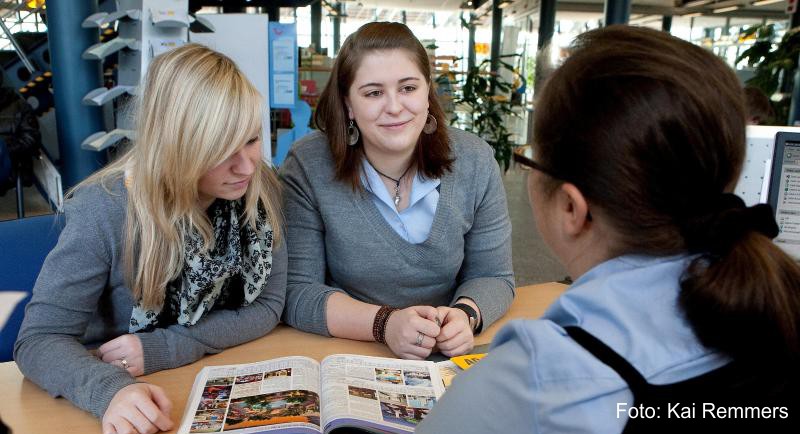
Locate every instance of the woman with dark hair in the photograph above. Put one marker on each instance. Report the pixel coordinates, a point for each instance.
(397, 225)
(680, 299)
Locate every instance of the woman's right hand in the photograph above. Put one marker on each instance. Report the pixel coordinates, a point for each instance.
(138, 408)
(406, 326)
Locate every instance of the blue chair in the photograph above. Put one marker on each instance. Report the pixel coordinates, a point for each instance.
(24, 244)
(301, 116)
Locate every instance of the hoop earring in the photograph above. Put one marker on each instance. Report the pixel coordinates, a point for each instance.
(431, 125)
(352, 134)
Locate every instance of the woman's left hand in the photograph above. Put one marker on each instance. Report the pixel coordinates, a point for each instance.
(124, 351)
(456, 336)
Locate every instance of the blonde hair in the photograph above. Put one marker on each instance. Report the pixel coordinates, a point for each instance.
(195, 109)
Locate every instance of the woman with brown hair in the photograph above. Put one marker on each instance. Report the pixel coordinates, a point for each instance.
(681, 304)
(397, 225)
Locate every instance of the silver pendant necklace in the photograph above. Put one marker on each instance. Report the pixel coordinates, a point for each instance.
(396, 182)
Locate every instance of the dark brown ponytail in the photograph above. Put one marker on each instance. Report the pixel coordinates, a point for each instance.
(651, 129)
(746, 302)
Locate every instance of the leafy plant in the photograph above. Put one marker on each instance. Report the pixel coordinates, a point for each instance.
(485, 103)
(774, 63)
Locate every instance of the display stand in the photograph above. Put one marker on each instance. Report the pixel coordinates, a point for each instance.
(146, 28)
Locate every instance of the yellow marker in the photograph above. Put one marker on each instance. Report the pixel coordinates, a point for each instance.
(466, 361)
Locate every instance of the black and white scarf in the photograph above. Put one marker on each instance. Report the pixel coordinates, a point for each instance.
(240, 253)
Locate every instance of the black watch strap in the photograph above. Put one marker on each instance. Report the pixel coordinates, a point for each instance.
(472, 314)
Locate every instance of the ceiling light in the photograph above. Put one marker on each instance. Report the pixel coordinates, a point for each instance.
(765, 2)
(695, 3)
(725, 9)
(504, 4)
(692, 15)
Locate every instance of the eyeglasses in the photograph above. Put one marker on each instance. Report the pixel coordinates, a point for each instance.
(521, 156)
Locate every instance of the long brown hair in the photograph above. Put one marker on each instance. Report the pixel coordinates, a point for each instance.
(651, 129)
(432, 153)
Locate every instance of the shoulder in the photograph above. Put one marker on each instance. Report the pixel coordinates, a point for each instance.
(94, 219)
(552, 356)
(309, 162)
(312, 148)
(98, 209)
(472, 154)
(108, 198)
(467, 146)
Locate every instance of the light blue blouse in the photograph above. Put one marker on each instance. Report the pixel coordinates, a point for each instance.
(413, 223)
(538, 380)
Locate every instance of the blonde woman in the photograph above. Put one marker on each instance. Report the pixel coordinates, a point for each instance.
(170, 253)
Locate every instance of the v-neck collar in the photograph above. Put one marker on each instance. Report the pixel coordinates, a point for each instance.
(420, 187)
(380, 226)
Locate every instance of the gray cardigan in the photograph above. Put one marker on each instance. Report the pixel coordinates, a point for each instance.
(339, 241)
(80, 301)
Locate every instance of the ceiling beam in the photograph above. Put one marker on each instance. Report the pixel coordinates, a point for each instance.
(566, 6)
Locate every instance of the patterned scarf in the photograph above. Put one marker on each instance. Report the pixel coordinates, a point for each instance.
(238, 266)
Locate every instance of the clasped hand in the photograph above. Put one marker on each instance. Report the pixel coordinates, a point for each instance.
(414, 332)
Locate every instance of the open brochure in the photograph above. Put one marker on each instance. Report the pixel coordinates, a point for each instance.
(301, 395)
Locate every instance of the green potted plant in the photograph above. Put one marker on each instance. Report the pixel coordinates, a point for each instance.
(483, 100)
(774, 64)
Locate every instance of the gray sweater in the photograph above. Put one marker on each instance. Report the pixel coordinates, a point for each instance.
(80, 301)
(339, 241)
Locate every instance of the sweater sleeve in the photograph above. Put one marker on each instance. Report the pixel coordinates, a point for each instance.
(306, 292)
(65, 298)
(178, 345)
(487, 275)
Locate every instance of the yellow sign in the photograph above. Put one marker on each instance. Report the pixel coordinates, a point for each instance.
(466, 361)
(481, 48)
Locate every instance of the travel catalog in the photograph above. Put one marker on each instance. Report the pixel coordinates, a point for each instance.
(301, 395)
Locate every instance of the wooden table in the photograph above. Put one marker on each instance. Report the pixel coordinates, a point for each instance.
(26, 408)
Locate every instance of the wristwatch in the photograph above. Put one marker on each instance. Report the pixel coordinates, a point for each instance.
(472, 314)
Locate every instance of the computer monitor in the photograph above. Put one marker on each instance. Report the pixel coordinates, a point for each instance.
(753, 184)
(784, 191)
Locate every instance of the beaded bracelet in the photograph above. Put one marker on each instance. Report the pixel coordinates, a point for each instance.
(379, 325)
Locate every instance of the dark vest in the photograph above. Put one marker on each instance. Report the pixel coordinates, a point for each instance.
(736, 398)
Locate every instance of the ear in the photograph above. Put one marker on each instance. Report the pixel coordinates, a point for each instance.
(349, 108)
(573, 210)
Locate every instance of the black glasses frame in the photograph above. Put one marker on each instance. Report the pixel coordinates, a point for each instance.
(528, 162)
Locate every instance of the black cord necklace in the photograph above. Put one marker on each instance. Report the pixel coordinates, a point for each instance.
(396, 182)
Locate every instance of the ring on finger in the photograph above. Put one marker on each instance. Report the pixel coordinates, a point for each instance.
(124, 363)
(420, 337)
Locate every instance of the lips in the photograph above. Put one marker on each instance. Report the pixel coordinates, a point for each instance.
(395, 124)
(240, 184)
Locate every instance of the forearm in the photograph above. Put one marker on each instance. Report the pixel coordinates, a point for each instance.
(63, 367)
(491, 295)
(349, 318)
(178, 345)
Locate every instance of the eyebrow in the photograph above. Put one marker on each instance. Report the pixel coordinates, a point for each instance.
(402, 80)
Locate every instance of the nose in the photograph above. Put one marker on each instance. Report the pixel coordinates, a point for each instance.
(242, 163)
(393, 103)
